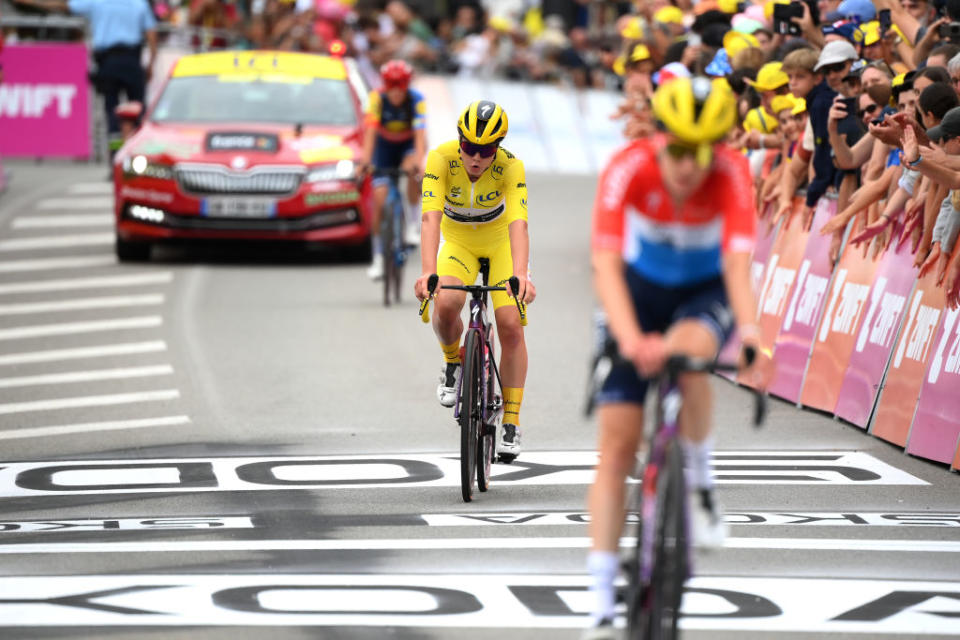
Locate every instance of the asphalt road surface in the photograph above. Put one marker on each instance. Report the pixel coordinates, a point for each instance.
(241, 442)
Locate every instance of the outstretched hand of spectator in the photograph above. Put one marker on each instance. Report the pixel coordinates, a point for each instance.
(952, 284)
(872, 230)
(911, 148)
(888, 132)
(934, 155)
(931, 261)
(906, 120)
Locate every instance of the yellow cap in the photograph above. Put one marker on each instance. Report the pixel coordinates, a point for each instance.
(669, 15)
(734, 42)
(799, 106)
(728, 6)
(771, 76)
(759, 120)
(502, 24)
(781, 103)
(633, 29)
(898, 80)
(768, 8)
(871, 33)
(640, 53)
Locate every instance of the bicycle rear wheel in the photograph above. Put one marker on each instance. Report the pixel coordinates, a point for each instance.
(488, 430)
(654, 606)
(471, 411)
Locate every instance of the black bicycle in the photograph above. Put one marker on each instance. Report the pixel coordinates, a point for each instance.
(660, 562)
(479, 402)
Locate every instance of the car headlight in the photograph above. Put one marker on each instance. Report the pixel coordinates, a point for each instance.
(140, 166)
(343, 170)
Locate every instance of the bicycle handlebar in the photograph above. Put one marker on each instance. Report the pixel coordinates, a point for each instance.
(474, 289)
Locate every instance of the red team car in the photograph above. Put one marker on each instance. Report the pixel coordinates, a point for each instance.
(246, 145)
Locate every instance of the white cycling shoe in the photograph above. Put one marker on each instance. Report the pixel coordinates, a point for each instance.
(447, 389)
(411, 236)
(375, 270)
(709, 528)
(603, 630)
(508, 442)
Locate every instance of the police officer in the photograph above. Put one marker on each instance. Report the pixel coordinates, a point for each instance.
(119, 29)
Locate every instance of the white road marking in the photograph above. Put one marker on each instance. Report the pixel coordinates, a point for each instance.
(57, 242)
(104, 282)
(116, 425)
(43, 264)
(58, 222)
(111, 302)
(90, 188)
(519, 601)
(71, 204)
(736, 518)
(89, 401)
(150, 523)
(79, 353)
(68, 328)
(405, 471)
(406, 544)
(87, 376)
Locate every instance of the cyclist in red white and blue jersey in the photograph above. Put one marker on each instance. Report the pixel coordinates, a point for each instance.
(395, 138)
(673, 231)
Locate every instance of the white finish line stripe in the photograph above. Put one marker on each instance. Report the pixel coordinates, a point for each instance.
(117, 425)
(134, 280)
(78, 262)
(84, 352)
(111, 302)
(89, 401)
(92, 202)
(56, 222)
(56, 242)
(90, 188)
(68, 328)
(406, 544)
(87, 376)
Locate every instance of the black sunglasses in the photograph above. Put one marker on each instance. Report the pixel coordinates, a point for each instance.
(483, 150)
(833, 68)
(868, 110)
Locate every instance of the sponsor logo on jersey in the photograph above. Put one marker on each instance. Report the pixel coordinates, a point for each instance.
(521, 185)
(497, 170)
(454, 167)
(455, 192)
(487, 199)
(428, 194)
(431, 176)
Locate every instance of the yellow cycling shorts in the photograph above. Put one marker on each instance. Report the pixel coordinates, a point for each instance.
(464, 264)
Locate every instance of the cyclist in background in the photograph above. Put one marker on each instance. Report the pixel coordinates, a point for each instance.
(673, 230)
(395, 138)
(475, 194)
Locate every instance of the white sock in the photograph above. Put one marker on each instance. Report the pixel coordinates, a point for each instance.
(603, 567)
(697, 462)
(377, 245)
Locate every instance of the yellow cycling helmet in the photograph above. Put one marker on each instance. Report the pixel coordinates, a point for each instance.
(483, 122)
(698, 111)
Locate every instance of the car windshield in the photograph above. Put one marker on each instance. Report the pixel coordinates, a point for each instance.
(316, 101)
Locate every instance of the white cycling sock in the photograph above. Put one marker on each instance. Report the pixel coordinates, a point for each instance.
(377, 244)
(697, 462)
(603, 567)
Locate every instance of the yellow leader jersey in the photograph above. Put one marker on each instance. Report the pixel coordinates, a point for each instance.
(475, 214)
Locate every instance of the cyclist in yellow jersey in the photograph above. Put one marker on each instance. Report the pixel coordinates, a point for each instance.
(475, 206)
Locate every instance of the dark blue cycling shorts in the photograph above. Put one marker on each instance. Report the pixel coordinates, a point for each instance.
(658, 308)
(389, 155)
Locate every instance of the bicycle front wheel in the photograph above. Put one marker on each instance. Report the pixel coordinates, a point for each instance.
(400, 250)
(389, 254)
(471, 411)
(488, 430)
(654, 607)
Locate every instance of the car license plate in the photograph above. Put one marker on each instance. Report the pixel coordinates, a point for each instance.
(239, 207)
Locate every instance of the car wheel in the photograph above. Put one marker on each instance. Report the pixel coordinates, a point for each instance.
(128, 251)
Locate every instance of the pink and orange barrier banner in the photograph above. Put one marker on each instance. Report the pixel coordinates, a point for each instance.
(864, 339)
(45, 101)
(936, 427)
(791, 350)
